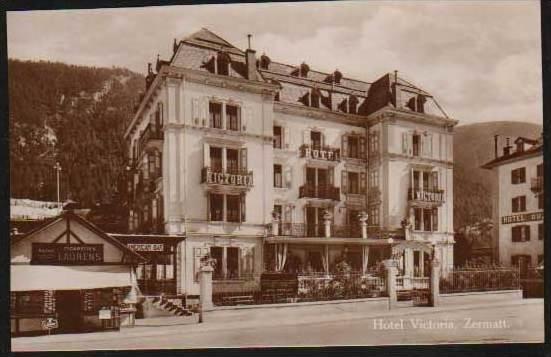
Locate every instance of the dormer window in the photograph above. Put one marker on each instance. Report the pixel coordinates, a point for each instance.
(223, 64)
(353, 104)
(264, 61)
(304, 69)
(315, 98)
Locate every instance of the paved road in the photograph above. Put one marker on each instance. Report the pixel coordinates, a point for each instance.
(512, 323)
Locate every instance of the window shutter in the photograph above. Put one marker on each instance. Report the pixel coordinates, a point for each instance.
(410, 144)
(405, 148)
(208, 207)
(363, 183)
(435, 219)
(242, 201)
(363, 148)
(206, 155)
(306, 137)
(245, 118)
(331, 176)
(344, 146)
(205, 112)
(288, 214)
(288, 176)
(286, 138)
(344, 181)
(243, 163)
(434, 175)
(240, 123)
(196, 263)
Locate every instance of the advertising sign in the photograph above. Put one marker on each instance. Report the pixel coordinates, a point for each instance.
(104, 314)
(524, 217)
(66, 254)
(146, 247)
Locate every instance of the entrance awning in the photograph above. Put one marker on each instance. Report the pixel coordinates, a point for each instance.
(53, 277)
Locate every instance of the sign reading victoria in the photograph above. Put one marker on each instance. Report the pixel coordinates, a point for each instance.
(66, 254)
(524, 217)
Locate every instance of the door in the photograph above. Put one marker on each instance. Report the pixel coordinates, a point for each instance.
(68, 303)
(311, 221)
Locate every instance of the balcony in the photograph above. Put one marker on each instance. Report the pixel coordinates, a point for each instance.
(348, 231)
(323, 192)
(320, 152)
(152, 135)
(216, 176)
(426, 197)
(536, 184)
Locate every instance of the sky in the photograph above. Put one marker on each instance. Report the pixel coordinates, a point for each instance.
(480, 59)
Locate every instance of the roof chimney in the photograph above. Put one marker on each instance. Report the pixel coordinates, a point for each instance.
(250, 61)
(496, 138)
(507, 148)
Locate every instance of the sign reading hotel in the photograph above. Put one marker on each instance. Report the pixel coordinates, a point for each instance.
(146, 247)
(325, 154)
(66, 254)
(224, 178)
(524, 217)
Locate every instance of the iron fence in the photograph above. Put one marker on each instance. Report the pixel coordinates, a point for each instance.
(468, 279)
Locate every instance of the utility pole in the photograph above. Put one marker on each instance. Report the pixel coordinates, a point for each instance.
(57, 167)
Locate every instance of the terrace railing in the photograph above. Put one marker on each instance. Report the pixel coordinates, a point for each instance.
(467, 280)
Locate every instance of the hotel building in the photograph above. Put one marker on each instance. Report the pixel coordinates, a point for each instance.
(518, 202)
(274, 167)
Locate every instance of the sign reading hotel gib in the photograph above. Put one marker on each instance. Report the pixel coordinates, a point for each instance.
(524, 217)
(66, 254)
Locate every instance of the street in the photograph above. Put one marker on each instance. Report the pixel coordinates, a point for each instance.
(520, 322)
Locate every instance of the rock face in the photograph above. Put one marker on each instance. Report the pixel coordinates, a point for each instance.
(474, 146)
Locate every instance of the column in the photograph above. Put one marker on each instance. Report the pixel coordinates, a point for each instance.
(205, 287)
(434, 282)
(223, 116)
(391, 270)
(421, 263)
(224, 261)
(224, 159)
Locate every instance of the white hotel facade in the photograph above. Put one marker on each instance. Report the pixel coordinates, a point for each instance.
(272, 167)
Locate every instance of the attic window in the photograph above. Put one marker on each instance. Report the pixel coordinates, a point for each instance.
(353, 104)
(304, 69)
(223, 63)
(264, 61)
(337, 76)
(417, 103)
(315, 98)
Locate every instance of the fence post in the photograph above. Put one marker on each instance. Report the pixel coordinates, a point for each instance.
(434, 282)
(391, 269)
(205, 289)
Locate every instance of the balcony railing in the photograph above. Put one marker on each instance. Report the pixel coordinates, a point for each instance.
(422, 195)
(320, 152)
(536, 184)
(302, 230)
(151, 132)
(347, 231)
(323, 192)
(217, 176)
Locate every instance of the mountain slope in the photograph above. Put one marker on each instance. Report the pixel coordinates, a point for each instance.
(74, 115)
(474, 146)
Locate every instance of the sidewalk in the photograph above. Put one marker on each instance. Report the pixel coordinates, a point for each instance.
(222, 320)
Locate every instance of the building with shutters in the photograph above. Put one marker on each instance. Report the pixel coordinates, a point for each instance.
(270, 166)
(518, 202)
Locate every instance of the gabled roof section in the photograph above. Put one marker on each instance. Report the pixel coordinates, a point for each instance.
(207, 38)
(71, 216)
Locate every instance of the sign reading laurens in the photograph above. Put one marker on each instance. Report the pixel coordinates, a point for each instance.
(66, 254)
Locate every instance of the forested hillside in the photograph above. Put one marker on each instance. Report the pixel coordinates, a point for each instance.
(73, 115)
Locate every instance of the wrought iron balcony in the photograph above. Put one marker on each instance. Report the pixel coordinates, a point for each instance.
(218, 176)
(434, 196)
(301, 230)
(320, 152)
(323, 192)
(536, 184)
(347, 231)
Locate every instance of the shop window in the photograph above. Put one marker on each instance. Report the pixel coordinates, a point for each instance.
(519, 204)
(540, 231)
(215, 115)
(353, 183)
(232, 161)
(233, 206)
(520, 233)
(518, 175)
(217, 253)
(278, 176)
(215, 159)
(232, 117)
(278, 137)
(216, 207)
(232, 268)
(541, 201)
(315, 139)
(416, 144)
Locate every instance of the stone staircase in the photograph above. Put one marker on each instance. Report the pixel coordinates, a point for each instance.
(156, 306)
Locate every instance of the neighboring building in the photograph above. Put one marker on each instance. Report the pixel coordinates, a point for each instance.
(518, 202)
(257, 162)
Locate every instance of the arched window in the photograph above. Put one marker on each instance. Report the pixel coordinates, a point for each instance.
(223, 63)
